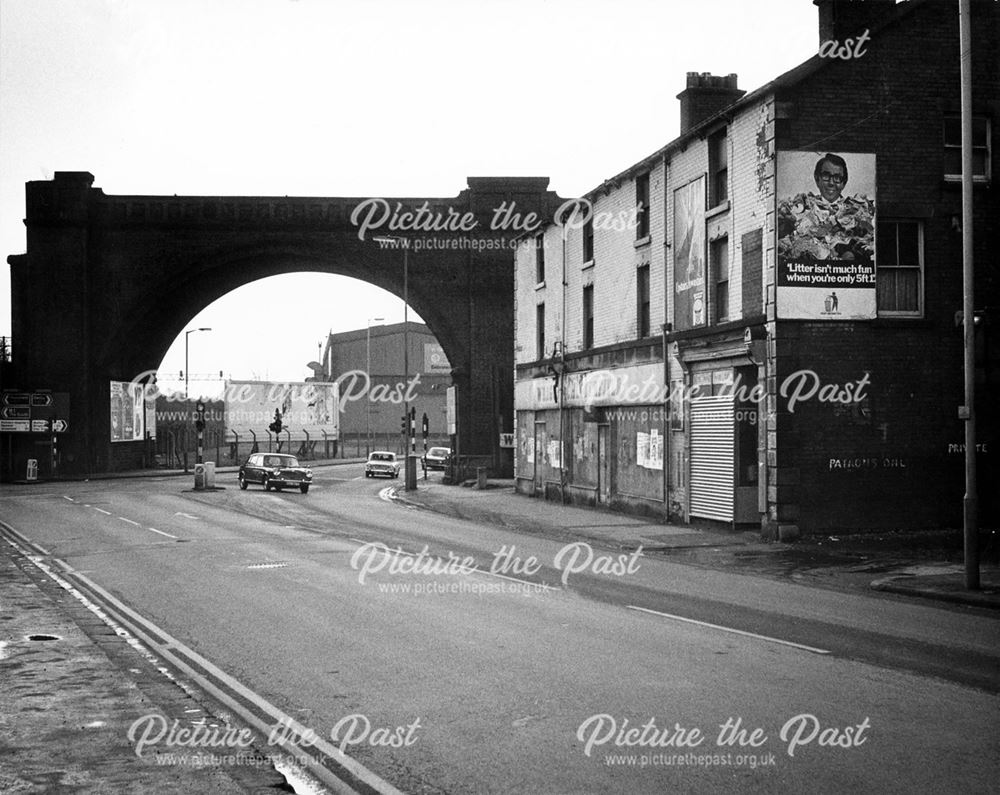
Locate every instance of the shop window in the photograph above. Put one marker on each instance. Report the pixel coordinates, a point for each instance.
(900, 268)
(588, 241)
(953, 148)
(642, 301)
(540, 330)
(718, 168)
(588, 316)
(642, 206)
(719, 258)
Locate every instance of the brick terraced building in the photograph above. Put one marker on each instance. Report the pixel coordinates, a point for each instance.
(759, 324)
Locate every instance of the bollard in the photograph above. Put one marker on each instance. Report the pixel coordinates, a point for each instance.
(481, 477)
(32, 469)
(199, 477)
(209, 474)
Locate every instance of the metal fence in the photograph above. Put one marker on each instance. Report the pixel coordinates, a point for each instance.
(177, 445)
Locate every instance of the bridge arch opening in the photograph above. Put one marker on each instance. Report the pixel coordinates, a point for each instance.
(273, 328)
(109, 282)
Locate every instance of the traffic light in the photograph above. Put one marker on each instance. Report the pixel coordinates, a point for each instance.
(426, 426)
(402, 425)
(275, 426)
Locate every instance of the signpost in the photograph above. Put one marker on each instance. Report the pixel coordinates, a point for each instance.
(31, 412)
(39, 412)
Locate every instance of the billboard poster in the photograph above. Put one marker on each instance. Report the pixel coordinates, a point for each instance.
(689, 255)
(825, 227)
(128, 412)
(307, 408)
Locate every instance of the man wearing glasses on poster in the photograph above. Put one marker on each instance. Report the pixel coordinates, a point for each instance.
(830, 176)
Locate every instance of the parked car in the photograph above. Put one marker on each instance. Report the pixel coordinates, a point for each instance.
(382, 462)
(436, 457)
(275, 470)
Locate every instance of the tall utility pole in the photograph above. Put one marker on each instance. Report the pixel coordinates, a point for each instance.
(187, 334)
(368, 375)
(410, 477)
(410, 470)
(968, 411)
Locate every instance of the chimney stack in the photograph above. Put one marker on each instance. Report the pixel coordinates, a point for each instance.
(706, 94)
(847, 19)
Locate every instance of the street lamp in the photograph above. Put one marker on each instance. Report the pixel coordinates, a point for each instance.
(368, 373)
(410, 481)
(187, 334)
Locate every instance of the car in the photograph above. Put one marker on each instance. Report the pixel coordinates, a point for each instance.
(382, 462)
(436, 457)
(275, 471)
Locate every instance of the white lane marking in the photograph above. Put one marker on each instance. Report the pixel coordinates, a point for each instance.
(185, 515)
(731, 629)
(386, 493)
(130, 521)
(68, 498)
(154, 530)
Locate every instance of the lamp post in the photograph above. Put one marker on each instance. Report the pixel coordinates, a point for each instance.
(410, 479)
(970, 502)
(187, 334)
(368, 373)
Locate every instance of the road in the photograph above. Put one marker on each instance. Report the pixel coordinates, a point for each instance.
(543, 675)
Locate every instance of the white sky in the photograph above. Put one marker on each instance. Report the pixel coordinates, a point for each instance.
(343, 97)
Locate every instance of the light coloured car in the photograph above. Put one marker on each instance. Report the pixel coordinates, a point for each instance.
(382, 463)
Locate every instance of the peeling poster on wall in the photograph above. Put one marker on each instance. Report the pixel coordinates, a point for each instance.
(655, 450)
(554, 454)
(642, 449)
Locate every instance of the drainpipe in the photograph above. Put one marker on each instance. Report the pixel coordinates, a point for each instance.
(665, 328)
(562, 378)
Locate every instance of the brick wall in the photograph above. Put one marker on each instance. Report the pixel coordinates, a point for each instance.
(889, 466)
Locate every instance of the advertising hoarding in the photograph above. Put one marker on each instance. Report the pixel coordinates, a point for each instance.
(825, 227)
(311, 408)
(689, 255)
(128, 411)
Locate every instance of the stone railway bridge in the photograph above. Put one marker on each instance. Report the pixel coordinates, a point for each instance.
(108, 282)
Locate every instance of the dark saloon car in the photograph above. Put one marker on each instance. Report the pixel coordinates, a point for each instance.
(436, 457)
(275, 470)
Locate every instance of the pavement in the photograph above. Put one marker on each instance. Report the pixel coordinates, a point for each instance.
(919, 564)
(73, 689)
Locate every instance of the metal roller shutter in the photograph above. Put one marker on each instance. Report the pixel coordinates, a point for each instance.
(713, 449)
